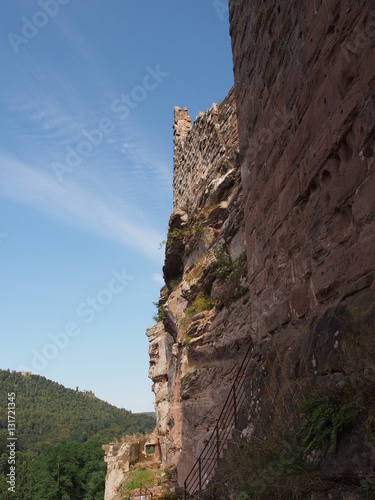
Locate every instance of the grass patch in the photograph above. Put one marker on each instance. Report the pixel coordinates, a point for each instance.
(197, 271)
(148, 477)
(231, 273)
(202, 302)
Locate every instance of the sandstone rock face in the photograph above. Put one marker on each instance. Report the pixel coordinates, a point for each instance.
(304, 80)
(195, 349)
(304, 83)
(161, 366)
(119, 457)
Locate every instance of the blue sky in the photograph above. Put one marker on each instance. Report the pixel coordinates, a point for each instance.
(87, 92)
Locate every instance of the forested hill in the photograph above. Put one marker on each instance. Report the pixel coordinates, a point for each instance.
(47, 413)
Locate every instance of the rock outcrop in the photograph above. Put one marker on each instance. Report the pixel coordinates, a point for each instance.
(197, 346)
(294, 185)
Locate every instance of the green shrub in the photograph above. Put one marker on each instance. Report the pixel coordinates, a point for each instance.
(269, 467)
(173, 283)
(324, 422)
(243, 496)
(274, 464)
(229, 270)
(224, 262)
(177, 234)
(159, 315)
(370, 426)
(202, 302)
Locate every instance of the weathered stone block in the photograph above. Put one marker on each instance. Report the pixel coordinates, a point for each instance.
(289, 196)
(299, 302)
(278, 316)
(328, 275)
(364, 201)
(350, 177)
(360, 258)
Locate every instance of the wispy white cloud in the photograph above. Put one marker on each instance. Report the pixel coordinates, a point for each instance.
(112, 190)
(106, 216)
(138, 152)
(57, 117)
(73, 38)
(38, 117)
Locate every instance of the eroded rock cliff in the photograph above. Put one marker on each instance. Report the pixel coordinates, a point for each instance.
(196, 347)
(295, 188)
(305, 92)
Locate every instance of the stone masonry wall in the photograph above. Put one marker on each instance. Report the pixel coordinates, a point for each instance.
(197, 150)
(305, 88)
(121, 456)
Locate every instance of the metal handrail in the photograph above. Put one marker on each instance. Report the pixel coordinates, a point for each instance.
(142, 495)
(147, 491)
(208, 460)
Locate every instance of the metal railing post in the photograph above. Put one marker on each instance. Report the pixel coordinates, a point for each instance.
(217, 444)
(200, 473)
(224, 422)
(235, 406)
